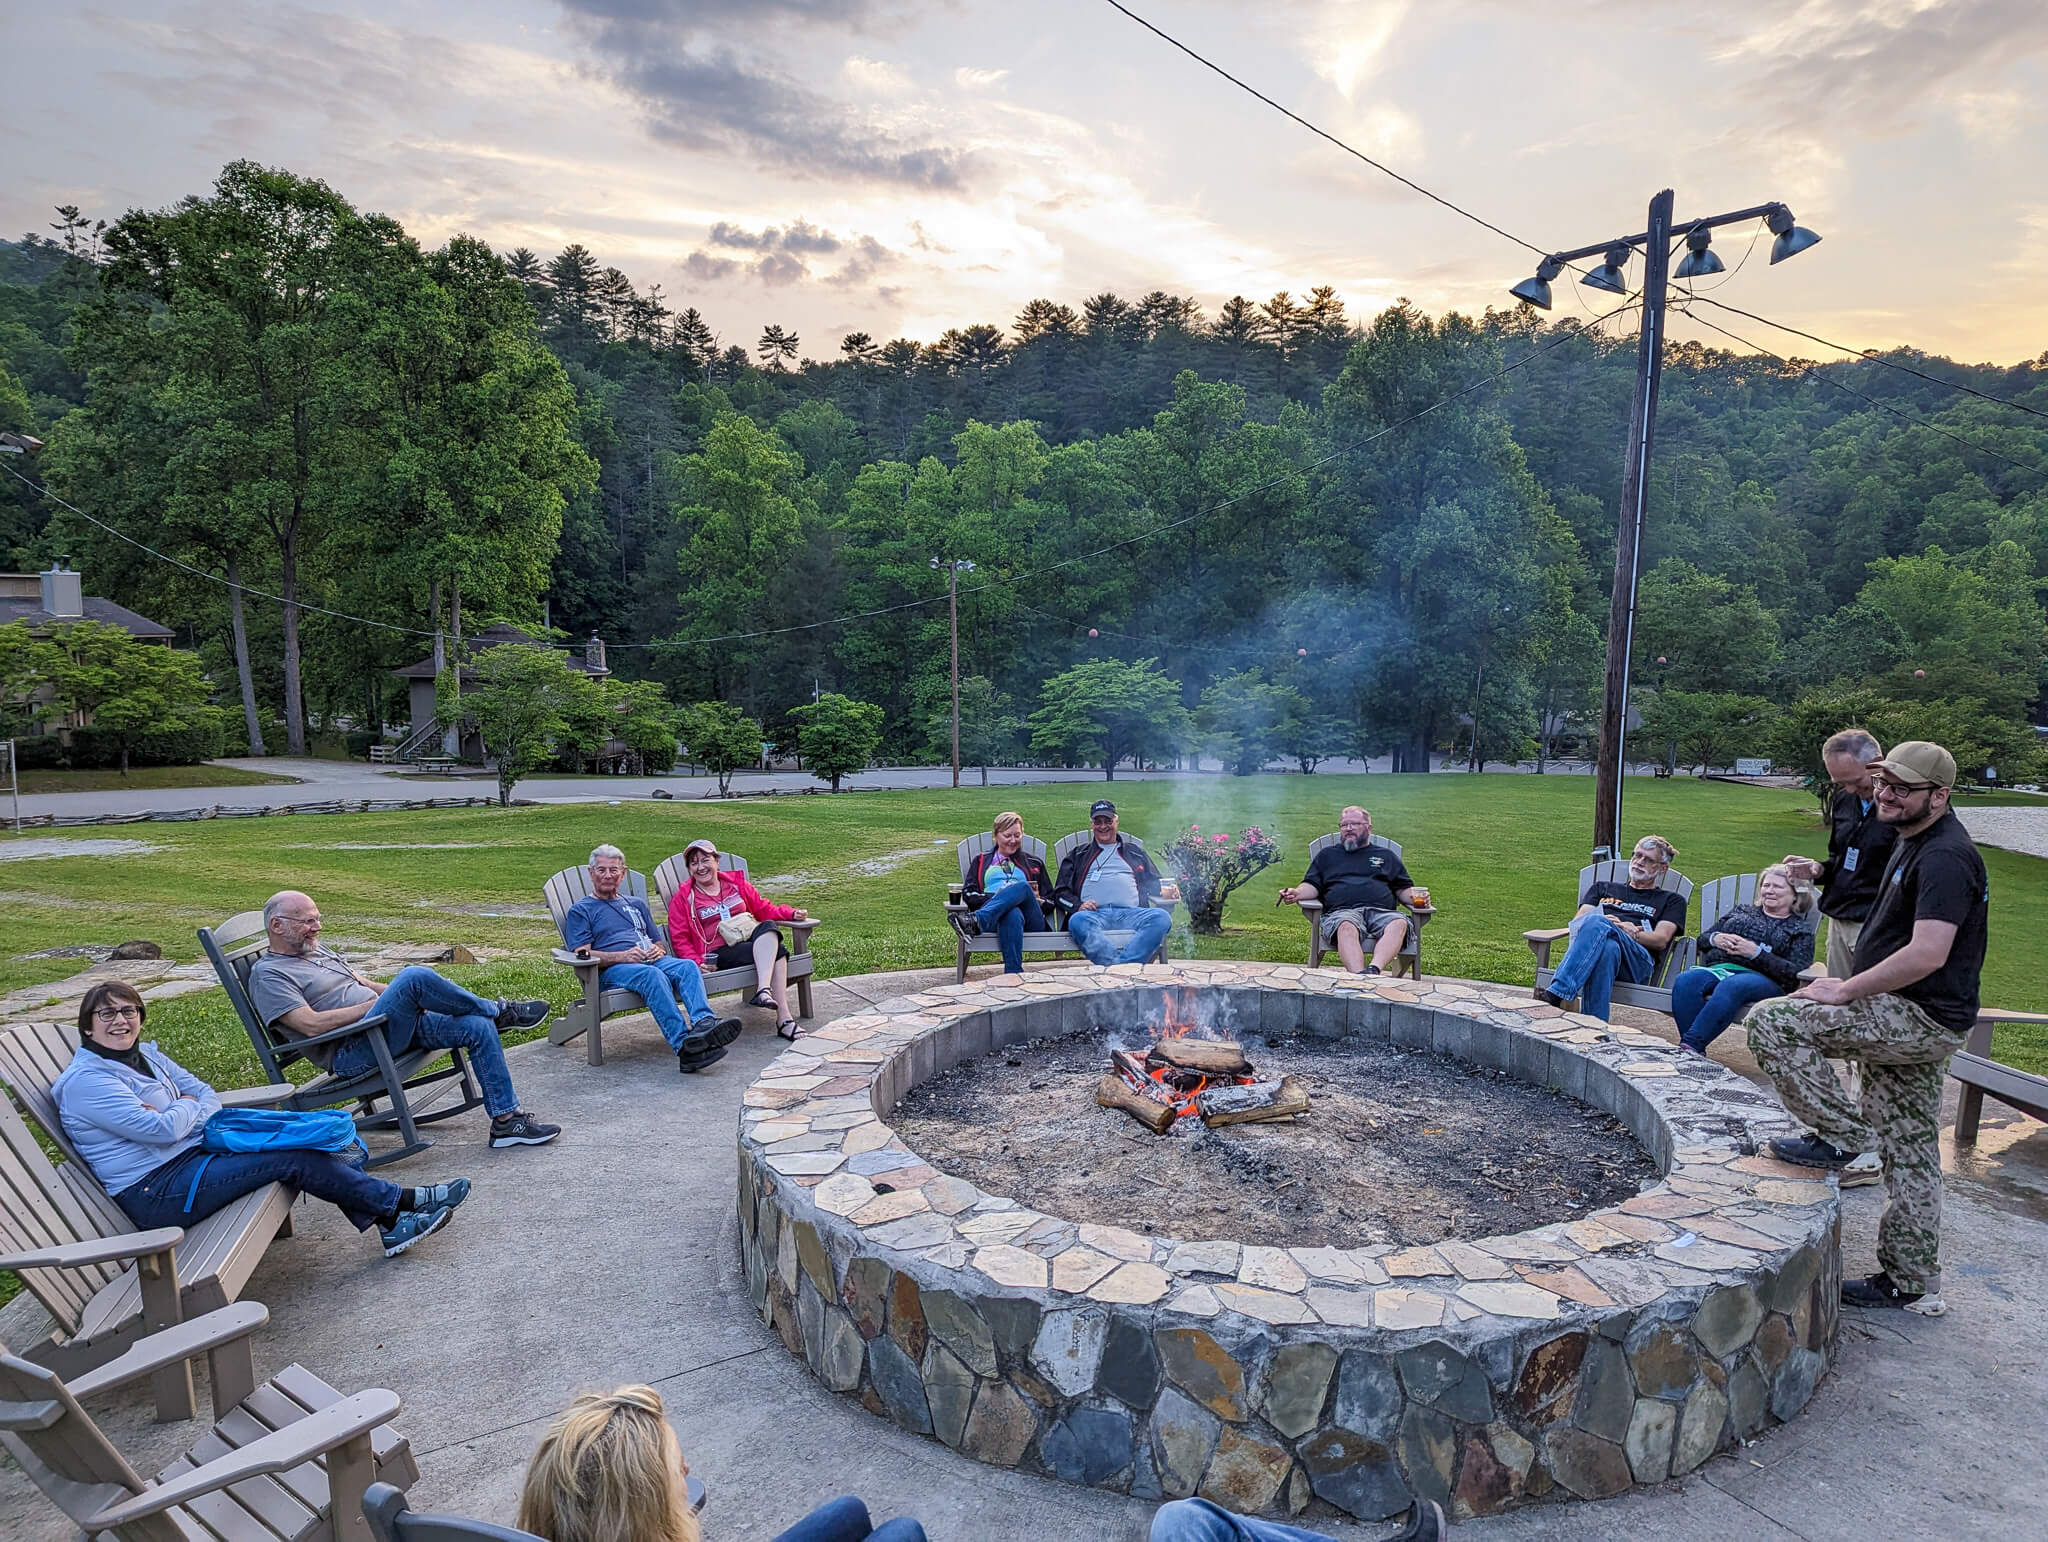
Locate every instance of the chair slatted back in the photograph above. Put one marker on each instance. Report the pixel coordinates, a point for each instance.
(1679, 955)
(975, 845)
(233, 948)
(67, 1453)
(573, 883)
(41, 1207)
(1080, 838)
(674, 872)
(1334, 838)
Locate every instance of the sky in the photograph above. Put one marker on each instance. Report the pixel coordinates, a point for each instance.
(899, 168)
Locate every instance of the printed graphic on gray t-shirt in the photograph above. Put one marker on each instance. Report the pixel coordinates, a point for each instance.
(281, 983)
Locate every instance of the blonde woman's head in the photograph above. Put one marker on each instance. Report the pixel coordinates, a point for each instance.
(609, 1469)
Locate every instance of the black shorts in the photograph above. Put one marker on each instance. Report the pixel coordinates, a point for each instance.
(737, 955)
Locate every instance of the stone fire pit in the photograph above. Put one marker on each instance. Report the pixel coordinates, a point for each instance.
(1620, 1348)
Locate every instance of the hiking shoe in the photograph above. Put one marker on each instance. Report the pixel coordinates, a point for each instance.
(1425, 1522)
(522, 1014)
(520, 1128)
(1372, 969)
(440, 1196)
(965, 922)
(1880, 1289)
(1812, 1151)
(1545, 993)
(691, 1063)
(412, 1225)
(708, 1033)
(1864, 1167)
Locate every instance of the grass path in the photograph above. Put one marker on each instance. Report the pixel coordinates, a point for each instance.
(149, 777)
(1500, 853)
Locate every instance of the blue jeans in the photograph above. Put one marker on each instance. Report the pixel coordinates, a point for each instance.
(1197, 1520)
(1598, 953)
(195, 1183)
(1705, 1003)
(1010, 912)
(1150, 926)
(846, 1520)
(423, 1010)
(658, 983)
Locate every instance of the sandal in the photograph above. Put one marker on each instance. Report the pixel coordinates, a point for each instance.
(761, 998)
(788, 1029)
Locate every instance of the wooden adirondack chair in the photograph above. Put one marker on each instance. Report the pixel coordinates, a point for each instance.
(1409, 960)
(1655, 993)
(104, 1283)
(233, 948)
(1053, 942)
(674, 873)
(290, 1458)
(1973, 1066)
(1714, 900)
(587, 1016)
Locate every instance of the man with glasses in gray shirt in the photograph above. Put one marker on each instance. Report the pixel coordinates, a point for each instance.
(307, 989)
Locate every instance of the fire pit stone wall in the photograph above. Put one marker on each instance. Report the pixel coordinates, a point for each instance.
(1621, 1348)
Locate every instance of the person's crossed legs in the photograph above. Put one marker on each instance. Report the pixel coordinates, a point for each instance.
(423, 1008)
(1597, 955)
(1705, 1004)
(1147, 925)
(1010, 912)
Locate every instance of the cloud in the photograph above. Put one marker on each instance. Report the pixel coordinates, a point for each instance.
(878, 76)
(784, 253)
(973, 80)
(695, 90)
(802, 236)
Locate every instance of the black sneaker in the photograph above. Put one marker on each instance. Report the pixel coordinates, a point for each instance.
(708, 1032)
(522, 1014)
(1810, 1151)
(965, 922)
(1880, 1289)
(1372, 969)
(1425, 1522)
(690, 1064)
(519, 1128)
(1545, 993)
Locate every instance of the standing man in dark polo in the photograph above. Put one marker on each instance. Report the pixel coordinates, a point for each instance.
(1903, 1010)
(1859, 845)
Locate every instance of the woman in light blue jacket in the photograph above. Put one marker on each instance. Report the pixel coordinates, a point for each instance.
(138, 1119)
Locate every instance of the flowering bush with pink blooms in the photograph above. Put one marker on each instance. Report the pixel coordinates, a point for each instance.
(1208, 867)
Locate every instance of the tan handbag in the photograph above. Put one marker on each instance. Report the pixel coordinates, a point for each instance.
(736, 929)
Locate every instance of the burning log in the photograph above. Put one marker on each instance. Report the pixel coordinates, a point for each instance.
(1253, 1103)
(1211, 1057)
(1114, 1092)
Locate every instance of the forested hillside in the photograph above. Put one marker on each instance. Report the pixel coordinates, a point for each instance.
(1380, 529)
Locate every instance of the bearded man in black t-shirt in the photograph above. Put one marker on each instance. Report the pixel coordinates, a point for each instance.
(1900, 1015)
(1359, 884)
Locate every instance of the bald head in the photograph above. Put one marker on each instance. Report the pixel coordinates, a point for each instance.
(292, 921)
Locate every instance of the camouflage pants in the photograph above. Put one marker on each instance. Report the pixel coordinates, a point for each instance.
(1903, 1053)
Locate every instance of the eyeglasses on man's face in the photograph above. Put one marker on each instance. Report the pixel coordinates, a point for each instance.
(1650, 859)
(1898, 792)
(112, 1015)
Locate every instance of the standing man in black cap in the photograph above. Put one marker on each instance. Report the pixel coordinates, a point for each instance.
(1901, 1013)
(1111, 885)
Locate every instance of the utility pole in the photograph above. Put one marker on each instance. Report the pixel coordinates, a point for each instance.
(1790, 239)
(954, 568)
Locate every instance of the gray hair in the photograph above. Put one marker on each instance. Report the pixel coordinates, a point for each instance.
(273, 908)
(1853, 741)
(1803, 896)
(605, 851)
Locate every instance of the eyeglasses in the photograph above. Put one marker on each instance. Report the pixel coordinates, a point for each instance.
(1648, 860)
(111, 1015)
(1898, 792)
(312, 920)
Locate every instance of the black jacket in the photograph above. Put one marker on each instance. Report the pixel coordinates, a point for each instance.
(1849, 892)
(1074, 872)
(1034, 874)
(1790, 942)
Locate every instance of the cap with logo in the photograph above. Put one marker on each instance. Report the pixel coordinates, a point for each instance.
(1919, 761)
(1103, 808)
(699, 844)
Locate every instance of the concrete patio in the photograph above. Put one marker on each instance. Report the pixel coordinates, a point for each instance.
(612, 1257)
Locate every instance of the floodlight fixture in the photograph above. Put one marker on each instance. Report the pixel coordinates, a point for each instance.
(1699, 259)
(1792, 238)
(1612, 274)
(1537, 290)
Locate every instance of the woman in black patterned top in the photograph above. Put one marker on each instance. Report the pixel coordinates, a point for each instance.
(1753, 953)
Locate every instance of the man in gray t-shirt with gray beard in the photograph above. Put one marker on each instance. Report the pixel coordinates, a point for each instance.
(309, 991)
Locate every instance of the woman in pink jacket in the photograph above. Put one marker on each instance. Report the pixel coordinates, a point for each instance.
(713, 906)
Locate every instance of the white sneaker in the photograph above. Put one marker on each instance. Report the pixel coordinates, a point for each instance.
(1929, 1305)
(1866, 1167)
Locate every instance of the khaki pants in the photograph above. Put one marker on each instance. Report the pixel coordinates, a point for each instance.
(1842, 937)
(1903, 1053)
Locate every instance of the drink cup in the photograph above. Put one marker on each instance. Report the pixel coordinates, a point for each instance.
(1421, 898)
(955, 892)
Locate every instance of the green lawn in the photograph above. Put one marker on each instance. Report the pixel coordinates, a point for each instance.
(1500, 853)
(149, 776)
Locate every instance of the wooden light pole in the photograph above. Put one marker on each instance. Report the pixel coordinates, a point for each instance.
(954, 568)
(1655, 243)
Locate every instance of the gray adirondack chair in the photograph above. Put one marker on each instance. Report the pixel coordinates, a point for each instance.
(1973, 1066)
(1055, 942)
(1714, 900)
(395, 1079)
(586, 1016)
(1409, 960)
(289, 1458)
(674, 873)
(391, 1521)
(104, 1283)
(1654, 993)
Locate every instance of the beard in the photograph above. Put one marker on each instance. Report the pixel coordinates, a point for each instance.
(1353, 842)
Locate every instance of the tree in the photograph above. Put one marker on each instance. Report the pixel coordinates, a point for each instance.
(1305, 734)
(122, 687)
(644, 722)
(525, 701)
(1706, 728)
(837, 736)
(1105, 710)
(1237, 718)
(777, 347)
(988, 725)
(720, 738)
(1565, 661)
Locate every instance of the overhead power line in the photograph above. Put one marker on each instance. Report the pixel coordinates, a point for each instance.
(1873, 357)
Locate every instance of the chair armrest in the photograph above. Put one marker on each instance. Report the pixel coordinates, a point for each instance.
(298, 1041)
(801, 930)
(1978, 1041)
(297, 1443)
(564, 956)
(1813, 972)
(1312, 907)
(256, 1097)
(1421, 912)
(100, 1250)
(1547, 934)
(184, 1342)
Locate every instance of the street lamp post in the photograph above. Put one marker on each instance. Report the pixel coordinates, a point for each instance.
(954, 569)
(1789, 239)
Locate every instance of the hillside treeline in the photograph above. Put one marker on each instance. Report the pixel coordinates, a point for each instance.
(1407, 520)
